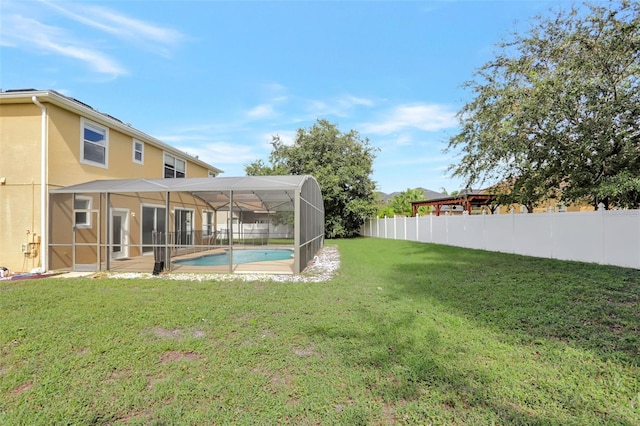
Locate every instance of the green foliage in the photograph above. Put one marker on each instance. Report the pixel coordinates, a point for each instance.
(385, 210)
(342, 163)
(555, 114)
(400, 204)
(405, 333)
(259, 168)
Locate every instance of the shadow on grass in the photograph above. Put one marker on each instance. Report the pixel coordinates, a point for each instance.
(395, 334)
(587, 306)
(410, 368)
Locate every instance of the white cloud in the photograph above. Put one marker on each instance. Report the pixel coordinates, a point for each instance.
(23, 26)
(404, 140)
(261, 111)
(425, 117)
(157, 38)
(431, 160)
(340, 106)
(21, 32)
(276, 91)
(349, 101)
(287, 137)
(95, 60)
(216, 153)
(319, 108)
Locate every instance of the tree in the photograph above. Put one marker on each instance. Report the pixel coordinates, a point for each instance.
(401, 203)
(452, 193)
(342, 163)
(556, 114)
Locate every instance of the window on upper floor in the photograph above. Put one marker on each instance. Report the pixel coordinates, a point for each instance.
(138, 152)
(83, 218)
(174, 167)
(94, 146)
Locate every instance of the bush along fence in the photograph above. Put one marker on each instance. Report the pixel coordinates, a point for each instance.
(610, 237)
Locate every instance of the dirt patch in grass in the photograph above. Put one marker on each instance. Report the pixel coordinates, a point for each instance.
(177, 333)
(168, 334)
(279, 381)
(268, 334)
(118, 376)
(175, 356)
(22, 389)
(308, 351)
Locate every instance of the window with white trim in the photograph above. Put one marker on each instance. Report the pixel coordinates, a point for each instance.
(138, 152)
(174, 167)
(94, 146)
(83, 218)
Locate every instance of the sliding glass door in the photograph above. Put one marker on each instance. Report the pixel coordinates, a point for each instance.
(153, 219)
(183, 226)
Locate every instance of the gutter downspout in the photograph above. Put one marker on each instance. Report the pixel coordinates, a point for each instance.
(44, 249)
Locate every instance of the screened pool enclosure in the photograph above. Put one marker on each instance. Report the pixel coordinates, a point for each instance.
(270, 224)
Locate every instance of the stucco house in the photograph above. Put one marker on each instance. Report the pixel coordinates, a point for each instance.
(50, 141)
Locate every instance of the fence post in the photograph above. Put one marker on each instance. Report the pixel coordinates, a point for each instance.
(446, 227)
(395, 227)
(405, 227)
(385, 226)
(484, 230)
(549, 213)
(602, 233)
(431, 227)
(513, 229)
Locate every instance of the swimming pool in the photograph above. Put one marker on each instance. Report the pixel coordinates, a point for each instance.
(239, 256)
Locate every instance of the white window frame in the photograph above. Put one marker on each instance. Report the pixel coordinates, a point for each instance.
(87, 223)
(141, 151)
(175, 170)
(207, 227)
(84, 124)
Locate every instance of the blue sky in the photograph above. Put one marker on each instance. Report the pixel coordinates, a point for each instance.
(218, 79)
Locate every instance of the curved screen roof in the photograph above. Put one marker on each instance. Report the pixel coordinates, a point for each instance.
(249, 192)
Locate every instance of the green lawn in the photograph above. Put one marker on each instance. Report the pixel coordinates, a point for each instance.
(405, 333)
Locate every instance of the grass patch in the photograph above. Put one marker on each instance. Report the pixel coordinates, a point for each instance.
(405, 333)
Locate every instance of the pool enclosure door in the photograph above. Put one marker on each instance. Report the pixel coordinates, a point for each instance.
(119, 234)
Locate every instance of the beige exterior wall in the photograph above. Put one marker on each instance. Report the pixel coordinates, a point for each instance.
(19, 186)
(88, 242)
(20, 165)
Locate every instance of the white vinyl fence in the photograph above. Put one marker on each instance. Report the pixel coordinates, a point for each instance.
(610, 237)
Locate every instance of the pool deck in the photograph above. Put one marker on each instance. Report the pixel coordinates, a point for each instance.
(146, 264)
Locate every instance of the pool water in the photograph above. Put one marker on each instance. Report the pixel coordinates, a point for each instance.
(239, 256)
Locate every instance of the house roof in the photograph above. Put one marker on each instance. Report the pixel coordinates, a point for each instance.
(444, 197)
(250, 193)
(427, 193)
(85, 110)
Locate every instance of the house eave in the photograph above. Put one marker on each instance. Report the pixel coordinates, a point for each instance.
(84, 110)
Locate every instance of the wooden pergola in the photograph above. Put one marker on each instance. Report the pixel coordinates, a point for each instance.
(466, 200)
